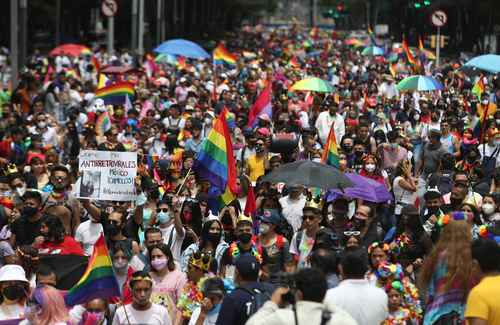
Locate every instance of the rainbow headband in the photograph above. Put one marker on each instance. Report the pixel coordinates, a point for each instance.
(457, 216)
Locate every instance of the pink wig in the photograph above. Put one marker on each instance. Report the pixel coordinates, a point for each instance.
(52, 307)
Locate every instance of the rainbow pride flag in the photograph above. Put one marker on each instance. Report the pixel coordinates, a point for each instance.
(409, 55)
(478, 88)
(393, 69)
(294, 63)
(103, 124)
(215, 160)
(261, 106)
(98, 280)
(115, 94)
(331, 152)
(223, 56)
(231, 120)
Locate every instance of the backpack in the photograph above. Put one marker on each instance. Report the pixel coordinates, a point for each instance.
(258, 299)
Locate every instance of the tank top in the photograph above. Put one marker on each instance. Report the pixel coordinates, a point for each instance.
(447, 143)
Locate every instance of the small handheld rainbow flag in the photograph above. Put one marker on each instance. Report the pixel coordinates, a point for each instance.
(115, 94)
(392, 69)
(478, 88)
(263, 105)
(103, 124)
(98, 280)
(409, 55)
(223, 56)
(331, 152)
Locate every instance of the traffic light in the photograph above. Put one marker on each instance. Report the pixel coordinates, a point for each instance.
(417, 5)
(427, 3)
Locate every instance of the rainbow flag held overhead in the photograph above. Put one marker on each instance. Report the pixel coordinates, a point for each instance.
(392, 69)
(294, 63)
(115, 94)
(478, 88)
(215, 160)
(98, 280)
(103, 124)
(331, 153)
(230, 120)
(223, 56)
(409, 55)
(261, 106)
(425, 54)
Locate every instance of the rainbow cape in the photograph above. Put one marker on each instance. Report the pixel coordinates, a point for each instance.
(215, 160)
(103, 124)
(261, 106)
(115, 94)
(223, 56)
(331, 153)
(99, 279)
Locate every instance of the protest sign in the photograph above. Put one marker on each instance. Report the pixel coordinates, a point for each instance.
(107, 175)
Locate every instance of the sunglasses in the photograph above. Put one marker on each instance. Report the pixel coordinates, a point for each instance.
(161, 210)
(352, 233)
(309, 217)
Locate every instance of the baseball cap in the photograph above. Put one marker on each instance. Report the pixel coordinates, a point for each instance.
(247, 266)
(432, 193)
(270, 216)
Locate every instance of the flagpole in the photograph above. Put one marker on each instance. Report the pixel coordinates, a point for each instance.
(183, 182)
(214, 93)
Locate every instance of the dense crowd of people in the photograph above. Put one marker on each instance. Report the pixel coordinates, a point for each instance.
(302, 256)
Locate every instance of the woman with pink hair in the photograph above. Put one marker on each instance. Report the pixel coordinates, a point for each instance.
(48, 309)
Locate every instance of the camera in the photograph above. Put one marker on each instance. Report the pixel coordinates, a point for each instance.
(287, 280)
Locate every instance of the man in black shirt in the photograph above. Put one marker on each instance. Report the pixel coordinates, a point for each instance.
(26, 229)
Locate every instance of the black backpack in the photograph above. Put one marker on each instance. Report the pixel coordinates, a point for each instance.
(258, 299)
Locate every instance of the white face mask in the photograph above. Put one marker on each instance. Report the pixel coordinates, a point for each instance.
(264, 228)
(485, 101)
(318, 160)
(416, 117)
(488, 208)
(42, 125)
(21, 190)
(370, 168)
(497, 121)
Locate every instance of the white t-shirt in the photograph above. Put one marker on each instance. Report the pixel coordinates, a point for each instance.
(366, 303)
(87, 234)
(13, 311)
(292, 211)
(305, 247)
(401, 195)
(176, 241)
(488, 152)
(209, 319)
(156, 315)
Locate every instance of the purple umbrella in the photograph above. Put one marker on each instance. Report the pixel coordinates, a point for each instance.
(363, 188)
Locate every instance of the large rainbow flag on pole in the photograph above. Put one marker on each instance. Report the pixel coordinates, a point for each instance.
(409, 55)
(478, 88)
(215, 160)
(223, 56)
(115, 94)
(98, 281)
(331, 153)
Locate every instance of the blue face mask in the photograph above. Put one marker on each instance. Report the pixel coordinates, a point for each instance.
(146, 216)
(163, 217)
(215, 310)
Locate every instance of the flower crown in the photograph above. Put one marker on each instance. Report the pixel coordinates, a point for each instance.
(201, 261)
(487, 232)
(384, 246)
(455, 215)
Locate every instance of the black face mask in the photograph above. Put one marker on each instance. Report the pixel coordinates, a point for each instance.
(347, 149)
(213, 238)
(29, 211)
(245, 238)
(13, 292)
(113, 229)
(359, 154)
(432, 211)
(59, 186)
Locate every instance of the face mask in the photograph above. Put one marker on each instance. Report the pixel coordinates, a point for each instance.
(215, 310)
(245, 238)
(213, 238)
(188, 216)
(347, 148)
(92, 317)
(42, 125)
(318, 160)
(370, 168)
(29, 211)
(359, 154)
(416, 117)
(59, 186)
(485, 102)
(21, 190)
(394, 145)
(120, 265)
(264, 228)
(13, 292)
(146, 216)
(207, 121)
(497, 121)
(488, 208)
(113, 229)
(157, 117)
(163, 217)
(159, 263)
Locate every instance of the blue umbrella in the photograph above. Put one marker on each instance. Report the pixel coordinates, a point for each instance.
(182, 47)
(373, 51)
(363, 188)
(488, 62)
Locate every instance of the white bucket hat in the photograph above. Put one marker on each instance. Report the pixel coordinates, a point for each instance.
(12, 272)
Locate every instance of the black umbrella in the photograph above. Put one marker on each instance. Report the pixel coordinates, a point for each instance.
(309, 174)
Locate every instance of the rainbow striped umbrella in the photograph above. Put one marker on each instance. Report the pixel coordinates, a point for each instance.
(70, 49)
(419, 83)
(313, 84)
